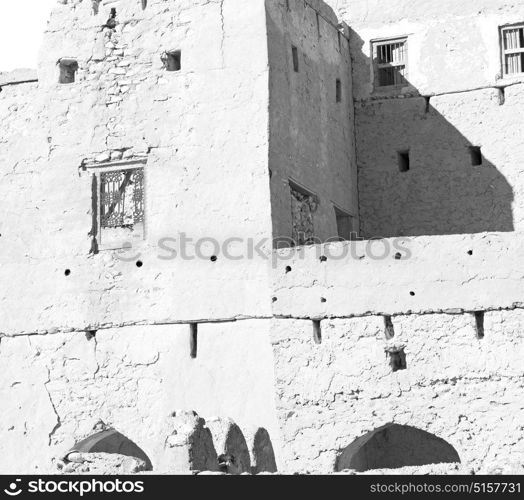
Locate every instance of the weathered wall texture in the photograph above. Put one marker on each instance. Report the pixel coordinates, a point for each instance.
(453, 55)
(58, 386)
(311, 134)
(223, 137)
(460, 388)
(394, 276)
(203, 129)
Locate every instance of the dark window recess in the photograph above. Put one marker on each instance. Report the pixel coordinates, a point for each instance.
(96, 6)
(479, 323)
(317, 332)
(338, 90)
(294, 52)
(397, 359)
(172, 60)
(193, 340)
(344, 225)
(476, 156)
(68, 69)
(403, 161)
(144, 4)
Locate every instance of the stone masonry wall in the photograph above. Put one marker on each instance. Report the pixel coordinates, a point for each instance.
(311, 134)
(463, 378)
(454, 59)
(111, 341)
(465, 390)
(124, 105)
(57, 386)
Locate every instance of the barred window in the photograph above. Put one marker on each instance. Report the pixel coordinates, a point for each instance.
(513, 50)
(118, 202)
(390, 62)
(122, 198)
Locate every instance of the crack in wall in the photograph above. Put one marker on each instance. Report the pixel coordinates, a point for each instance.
(223, 39)
(58, 419)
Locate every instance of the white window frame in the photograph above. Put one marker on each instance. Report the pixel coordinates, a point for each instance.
(375, 44)
(505, 52)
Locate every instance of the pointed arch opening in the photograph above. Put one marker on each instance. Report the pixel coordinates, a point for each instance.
(111, 441)
(394, 446)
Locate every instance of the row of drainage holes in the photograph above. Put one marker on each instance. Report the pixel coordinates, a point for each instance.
(139, 263)
(214, 258)
(398, 256)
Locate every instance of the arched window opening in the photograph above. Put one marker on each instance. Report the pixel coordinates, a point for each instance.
(394, 446)
(113, 442)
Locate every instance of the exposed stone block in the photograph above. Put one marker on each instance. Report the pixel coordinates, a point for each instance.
(188, 445)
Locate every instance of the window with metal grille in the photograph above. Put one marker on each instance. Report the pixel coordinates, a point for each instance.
(303, 207)
(122, 198)
(118, 202)
(390, 61)
(513, 49)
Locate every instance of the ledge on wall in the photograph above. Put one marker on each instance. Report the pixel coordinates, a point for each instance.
(18, 76)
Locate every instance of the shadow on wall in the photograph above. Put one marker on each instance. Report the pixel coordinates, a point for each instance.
(189, 443)
(112, 442)
(418, 174)
(394, 446)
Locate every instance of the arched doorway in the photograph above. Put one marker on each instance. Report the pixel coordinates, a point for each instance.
(393, 446)
(111, 441)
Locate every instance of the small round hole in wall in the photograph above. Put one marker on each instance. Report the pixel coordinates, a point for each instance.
(288, 269)
(323, 300)
(398, 256)
(412, 294)
(214, 258)
(274, 299)
(470, 252)
(67, 272)
(139, 263)
(323, 258)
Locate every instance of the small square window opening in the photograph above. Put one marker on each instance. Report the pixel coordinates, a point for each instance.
(68, 69)
(172, 60)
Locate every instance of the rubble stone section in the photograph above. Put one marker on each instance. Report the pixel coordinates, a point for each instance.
(188, 445)
(453, 376)
(458, 388)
